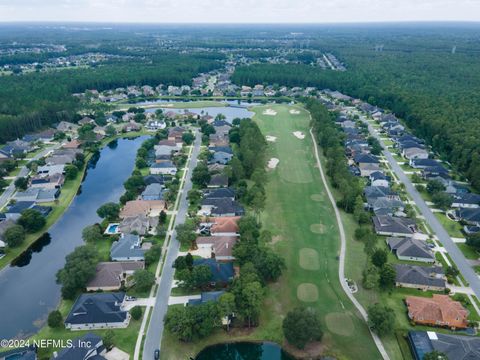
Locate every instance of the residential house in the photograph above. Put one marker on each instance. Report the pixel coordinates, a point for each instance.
(415, 153)
(73, 144)
(378, 178)
(47, 182)
(51, 170)
(394, 226)
(65, 126)
(152, 192)
(13, 212)
(220, 247)
(86, 347)
(176, 134)
(110, 276)
(386, 206)
(98, 311)
(206, 297)
(155, 125)
(469, 200)
(409, 249)
(154, 179)
(131, 126)
(218, 180)
(426, 278)
(215, 168)
(17, 147)
(165, 168)
(222, 272)
(127, 248)
(223, 226)
(440, 310)
(366, 169)
(38, 195)
(217, 140)
(374, 192)
(220, 207)
(141, 207)
(139, 224)
(5, 156)
(453, 346)
(363, 158)
(86, 120)
(220, 193)
(424, 163)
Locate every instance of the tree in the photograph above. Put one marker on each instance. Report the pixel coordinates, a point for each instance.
(110, 130)
(435, 355)
(55, 319)
(141, 163)
(379, 257)
(14, 235)
(201, 175)
(143, 279)
(381, 319)
(186, 233)
(153, 254)
(109, 211)
(92, 234)
(442, 200)
(32, 220)
(136, 312)
(188, 137)
(194, 197)
(21, 183)
(387, 277)
(78, 270)
(109, 339)
(269, 265)
(434, 186)
(251, 301)
(195, 278)
(162, 218)
(302, 325)
(71, 172)
(226, 305)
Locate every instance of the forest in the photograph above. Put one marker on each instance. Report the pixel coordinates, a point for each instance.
(435, 91)
(35, 100)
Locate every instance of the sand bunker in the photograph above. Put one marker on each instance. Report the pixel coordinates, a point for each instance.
(294, 112)
(308, 259)
(307, 292)
(299, 135)
(271, 138)
(166, 105)
(270, 112)
(272, 163)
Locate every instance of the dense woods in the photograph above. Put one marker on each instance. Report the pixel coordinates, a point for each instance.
(32, 101)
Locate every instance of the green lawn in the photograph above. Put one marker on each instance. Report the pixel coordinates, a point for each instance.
(305, 233)
(453, 228)
(468, 251)
(124, 339)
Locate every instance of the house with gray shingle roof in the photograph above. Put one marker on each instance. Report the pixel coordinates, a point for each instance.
(409, 249)
(420, 277)
(98, 311)
(152, 192)
(127, 248)
(394, 226)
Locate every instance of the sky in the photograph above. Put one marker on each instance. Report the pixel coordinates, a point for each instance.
(239, 11)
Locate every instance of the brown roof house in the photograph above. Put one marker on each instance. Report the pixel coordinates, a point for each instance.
(440, 310)
(141, 207)
(220, 247)
(224, 226)
(111, 275)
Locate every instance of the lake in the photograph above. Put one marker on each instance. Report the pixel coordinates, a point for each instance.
(244, 351)
(28, 289)
(230, 112)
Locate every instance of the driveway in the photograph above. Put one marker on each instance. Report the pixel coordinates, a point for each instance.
(437, 228)
(175, 300)
(153, 338)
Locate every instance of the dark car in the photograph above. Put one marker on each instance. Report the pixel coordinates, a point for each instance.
(156, 354)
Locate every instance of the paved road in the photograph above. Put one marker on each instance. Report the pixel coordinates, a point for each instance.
(343, 246)
(437, 228)
(10, 189)
(154, 334)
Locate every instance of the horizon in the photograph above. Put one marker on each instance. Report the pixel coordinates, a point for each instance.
(239, 11)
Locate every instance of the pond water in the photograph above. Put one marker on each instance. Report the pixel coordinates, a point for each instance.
(244, 351)
(230, 112)
(28, 291)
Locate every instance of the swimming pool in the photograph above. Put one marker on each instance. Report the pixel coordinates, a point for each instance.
(112, 229)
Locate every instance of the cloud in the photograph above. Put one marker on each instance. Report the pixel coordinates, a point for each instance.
(239, 11)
